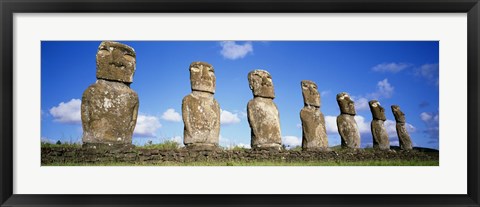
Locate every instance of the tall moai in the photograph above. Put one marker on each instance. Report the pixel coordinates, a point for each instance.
(346, 124)
(379, 132)
(200, 110)
(109, 106)
(263, 116)
(314, 131)
(403, 136)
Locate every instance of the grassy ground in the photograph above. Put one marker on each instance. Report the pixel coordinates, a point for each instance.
(264, 163)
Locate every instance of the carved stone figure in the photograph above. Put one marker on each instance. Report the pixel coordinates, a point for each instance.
(402, 133)
(379, 132)
(314, 132)
(109, 107)
(200, 110)
(346, 124)
(263, 116)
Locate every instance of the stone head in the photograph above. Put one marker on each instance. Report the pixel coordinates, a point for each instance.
(347, 106)
(378, 112)
(202, 77)
(115, 61)
(399, 115)
(260, 82)
(311, 97)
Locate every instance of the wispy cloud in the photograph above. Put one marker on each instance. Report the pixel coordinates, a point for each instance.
(146, 126)
(383, 90)
(324, 93)
(68, 112)
(429, 72)
(171, 115)
(291, 141)
(431, 121)
(227, 117)
(331, 124)
(231, 50)
(391, 67)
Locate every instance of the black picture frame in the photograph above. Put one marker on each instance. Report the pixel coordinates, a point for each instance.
(10, 7)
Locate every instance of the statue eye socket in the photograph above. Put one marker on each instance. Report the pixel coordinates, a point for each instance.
(196, 70)
(129, 57)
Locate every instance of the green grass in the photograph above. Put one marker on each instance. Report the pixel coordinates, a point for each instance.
(60, 145)
(263, 163)
(166, 145)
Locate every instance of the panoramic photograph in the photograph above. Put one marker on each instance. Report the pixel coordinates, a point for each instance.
(239, 103)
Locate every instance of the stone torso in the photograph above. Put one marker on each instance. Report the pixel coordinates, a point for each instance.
(380, 136)
(348, 130)
(264, 122)
(314, 129)
(202, 119)
(109, 113)
(403, 137)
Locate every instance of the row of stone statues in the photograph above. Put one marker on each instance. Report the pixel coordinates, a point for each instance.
(109, 109)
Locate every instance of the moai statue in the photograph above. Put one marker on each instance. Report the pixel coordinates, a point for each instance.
(379, 133)
(263, 115)
(346, 124)
(403, 136)
(314, 132)
(109, 107)
(200, 110)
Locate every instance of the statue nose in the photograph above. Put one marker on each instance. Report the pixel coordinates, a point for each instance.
(205, 75)
(266, 82)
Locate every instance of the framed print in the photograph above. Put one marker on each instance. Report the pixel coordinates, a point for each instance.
(200, 103)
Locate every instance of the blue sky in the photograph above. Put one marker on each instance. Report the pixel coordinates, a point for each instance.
(394, 72)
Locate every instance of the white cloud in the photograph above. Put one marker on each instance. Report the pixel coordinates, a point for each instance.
(227, 117)
(67, 112)
(384, 89)
(363, 126)
(424, 116)
(291, 141)
(227, 143)
(146, 126)
(299, 126)
(430, 119)
(232, 50)
(331, 124)
(429, 72)
(324, 93)
(177, 139)
(390, 126)
(390, 67)
(361, 104)
(171, 115)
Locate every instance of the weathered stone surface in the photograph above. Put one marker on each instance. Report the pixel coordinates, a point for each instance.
(314, 136)
(116, 62)
(202, 77)
(402, 133)
(201, 117)
(379, 132)
(200, 110)
(346, 124)
(109, 113)
(348, 130)
(311, 97)
(154, 157)
(378, 112)
(260, 82)
(109, 107)
(346, 104)
(314, 133)
(263, 116)
(380, 135)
